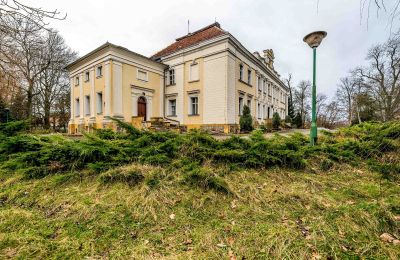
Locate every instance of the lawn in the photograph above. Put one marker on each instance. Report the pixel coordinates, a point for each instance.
(198, 198)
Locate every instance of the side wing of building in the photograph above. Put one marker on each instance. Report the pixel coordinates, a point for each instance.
(111, 81)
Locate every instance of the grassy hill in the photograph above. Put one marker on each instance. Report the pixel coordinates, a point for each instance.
(206, 199)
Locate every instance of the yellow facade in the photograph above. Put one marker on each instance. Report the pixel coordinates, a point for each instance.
(117, 85)
(128, 77)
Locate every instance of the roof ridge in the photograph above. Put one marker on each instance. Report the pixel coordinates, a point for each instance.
(216, 24)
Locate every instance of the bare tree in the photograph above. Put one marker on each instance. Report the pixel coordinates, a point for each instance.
(53, 81)
(381, 77)
(346, 92)
(288, 81)
(320, 104)
(329, 116)
(22, 51)
(301, 96)
(15, 10)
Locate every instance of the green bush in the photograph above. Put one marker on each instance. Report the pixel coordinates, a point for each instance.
(246, 121)
(13, 127)
(40, 155)
(298, 121)
(276, 120)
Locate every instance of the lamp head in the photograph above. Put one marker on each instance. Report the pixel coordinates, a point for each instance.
(314, 39)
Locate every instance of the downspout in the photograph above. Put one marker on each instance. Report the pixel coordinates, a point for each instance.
(164, 90)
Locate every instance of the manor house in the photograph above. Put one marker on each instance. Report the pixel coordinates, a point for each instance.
(202, 80)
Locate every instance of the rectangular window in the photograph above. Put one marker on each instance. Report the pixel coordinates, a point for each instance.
(240, 106)
(87, 105)
(258, 110)
(249, 76)
(265, 86)
(194, 105)
(241, 72)
(99, 103)
(194, 72)
(171, 77)
(172, 107)
(99, 71)
(249, 104)
(259, 82)
(142, 75)
(264, 113)
(77, 107)
(87, 76)
(76, 81)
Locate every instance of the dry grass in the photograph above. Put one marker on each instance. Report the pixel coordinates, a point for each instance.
(273, 214)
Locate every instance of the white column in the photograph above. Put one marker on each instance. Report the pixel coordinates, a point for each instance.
(107, 91)
(117, 89)
(81, 100)
(92, 96)
(149, 105)
(135, 98)
(72, 106)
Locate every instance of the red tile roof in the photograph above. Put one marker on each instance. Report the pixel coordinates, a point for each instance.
(206, 33)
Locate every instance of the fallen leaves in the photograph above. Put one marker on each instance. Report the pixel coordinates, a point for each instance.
(172, 216)
(388, 238)
(221, 245)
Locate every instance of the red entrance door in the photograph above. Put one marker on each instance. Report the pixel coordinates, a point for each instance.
(142, 107)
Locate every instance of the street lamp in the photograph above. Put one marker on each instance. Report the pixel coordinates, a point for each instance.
(7, 112)
(314, 39)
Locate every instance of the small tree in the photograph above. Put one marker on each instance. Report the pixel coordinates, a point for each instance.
(246, 121)
(297, 121)
(276, 120)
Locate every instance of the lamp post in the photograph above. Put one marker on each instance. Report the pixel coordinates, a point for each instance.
(7, 112)
(314, 39)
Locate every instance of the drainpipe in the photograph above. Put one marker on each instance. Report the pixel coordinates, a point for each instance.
(164, 90)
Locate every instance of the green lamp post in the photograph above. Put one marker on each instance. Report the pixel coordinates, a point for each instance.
(314, 39)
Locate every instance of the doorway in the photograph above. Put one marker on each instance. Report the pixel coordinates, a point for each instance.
(142, 108)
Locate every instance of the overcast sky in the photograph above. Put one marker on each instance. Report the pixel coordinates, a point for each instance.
(148, 26)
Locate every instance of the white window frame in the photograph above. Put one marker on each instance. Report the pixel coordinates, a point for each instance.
(191, 112)
(77, 81)
(264, 112)
(146, 73)
(259, 83)
(249, 76)
(170, 110)
(77, 107)
(241, 72)
(241, 105)
(87, 76)
(171, 77)
(249, 103)
(99, 71)
(258, 110)
(99, 102)
(87, 105)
